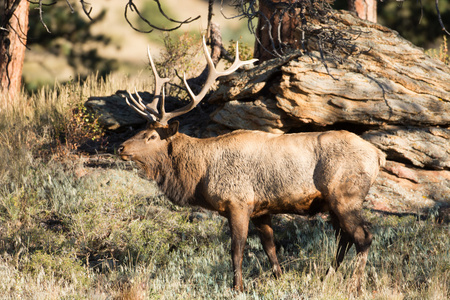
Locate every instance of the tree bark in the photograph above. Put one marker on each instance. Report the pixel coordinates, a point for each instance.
(365, 9)
(279, 22)
(13, 37)
(276, 29)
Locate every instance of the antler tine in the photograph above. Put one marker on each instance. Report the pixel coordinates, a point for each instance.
(237, 63)
(213, 74)
(139, 107)
(163, 110)
(159, 83)
(150, 110)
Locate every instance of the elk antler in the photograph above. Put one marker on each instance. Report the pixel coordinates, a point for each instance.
(150, 111)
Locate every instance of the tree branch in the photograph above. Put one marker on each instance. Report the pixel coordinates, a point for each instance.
(436, 2)
(70, 6)
(87, 12)
(210, 14)
(41, 15)
(9, 13)
(130, 5)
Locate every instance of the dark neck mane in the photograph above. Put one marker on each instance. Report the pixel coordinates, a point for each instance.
(176, 171)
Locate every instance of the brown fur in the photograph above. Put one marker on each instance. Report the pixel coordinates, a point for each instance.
(249, 175)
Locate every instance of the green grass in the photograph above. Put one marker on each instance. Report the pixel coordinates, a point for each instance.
(71, 230)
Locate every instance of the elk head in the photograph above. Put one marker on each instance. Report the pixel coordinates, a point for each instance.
(148, 142)
(159, 130)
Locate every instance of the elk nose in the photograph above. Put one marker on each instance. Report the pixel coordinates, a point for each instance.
(120, 149)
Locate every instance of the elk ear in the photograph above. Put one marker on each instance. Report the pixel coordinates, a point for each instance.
(173, 128)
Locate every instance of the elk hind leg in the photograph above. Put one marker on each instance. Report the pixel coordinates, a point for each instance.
(264, 226)
(238, 220)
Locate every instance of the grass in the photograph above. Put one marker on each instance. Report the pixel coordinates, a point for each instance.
(71, 229)
(443, 53)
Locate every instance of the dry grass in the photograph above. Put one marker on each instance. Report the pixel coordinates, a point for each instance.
(443, 53)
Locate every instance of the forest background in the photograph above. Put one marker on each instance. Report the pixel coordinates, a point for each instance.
(77, 46)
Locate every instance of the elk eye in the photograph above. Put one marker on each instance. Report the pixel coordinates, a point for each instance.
(152, 137)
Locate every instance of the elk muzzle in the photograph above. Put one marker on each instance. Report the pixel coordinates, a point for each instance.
(122, 153)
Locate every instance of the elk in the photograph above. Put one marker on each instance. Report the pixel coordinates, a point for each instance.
(250, 175)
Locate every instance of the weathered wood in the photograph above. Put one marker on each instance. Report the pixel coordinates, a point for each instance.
(393, 82)
(377, 81)
(262, 114)
(422, 147)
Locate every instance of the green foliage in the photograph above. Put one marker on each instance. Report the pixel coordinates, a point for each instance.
(416, 21)
(180, 53)
(70, 37)
(82, 126)
(62, 266)
(245, 51)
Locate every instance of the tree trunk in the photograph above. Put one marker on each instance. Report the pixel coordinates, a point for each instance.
(280, 20)
(365, 9)
(276, 28)
(13, 37)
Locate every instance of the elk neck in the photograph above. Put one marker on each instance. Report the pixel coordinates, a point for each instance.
(178, 169)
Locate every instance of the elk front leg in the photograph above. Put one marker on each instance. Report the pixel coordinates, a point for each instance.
(238, 221)
(344, 241)
(264, 226)
(354, 231)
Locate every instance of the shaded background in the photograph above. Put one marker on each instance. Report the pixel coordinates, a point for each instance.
(77, 47)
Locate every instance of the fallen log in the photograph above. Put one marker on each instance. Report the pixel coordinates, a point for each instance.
(427, 148)
(376, 84)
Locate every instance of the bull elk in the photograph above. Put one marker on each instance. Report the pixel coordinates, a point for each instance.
(250, 175)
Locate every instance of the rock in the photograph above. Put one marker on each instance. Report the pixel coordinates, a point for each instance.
(386, 80)
(403, 188)
(113, 112)
(356, 92)
(423, 147)
(246, 85)
(401, 171)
